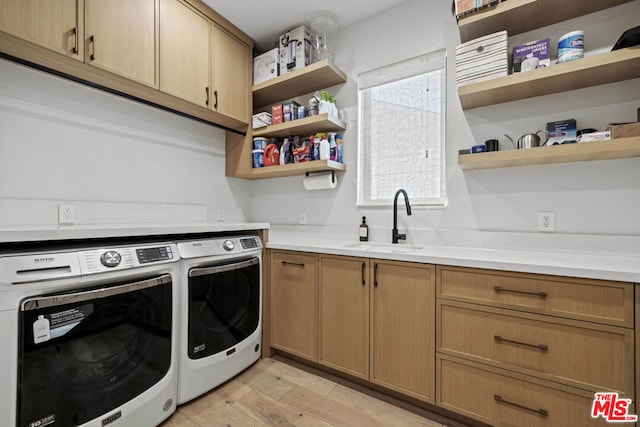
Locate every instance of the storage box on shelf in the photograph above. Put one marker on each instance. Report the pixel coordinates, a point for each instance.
(518, 16)
(313, 77)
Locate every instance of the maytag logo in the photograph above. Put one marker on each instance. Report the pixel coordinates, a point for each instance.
(112, 418)
(44, 259)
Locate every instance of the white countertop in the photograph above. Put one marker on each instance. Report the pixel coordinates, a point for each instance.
(613, 267)
(77, 232)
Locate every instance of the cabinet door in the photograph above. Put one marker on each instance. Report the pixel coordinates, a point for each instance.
(344, 314)
(121, 37)
(232, 68)
(402, 328)
(294, 303)
(184, 52)
(54, 24)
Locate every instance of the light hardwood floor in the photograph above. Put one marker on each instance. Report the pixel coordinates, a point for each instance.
(274, 393)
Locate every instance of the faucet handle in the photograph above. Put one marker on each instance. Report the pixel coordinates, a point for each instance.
(401, 237)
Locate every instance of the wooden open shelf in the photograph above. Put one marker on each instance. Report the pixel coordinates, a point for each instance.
(519, 16)
(307, 126)
(623, 64)
(293, 169)
(598, 150)
(320, 75)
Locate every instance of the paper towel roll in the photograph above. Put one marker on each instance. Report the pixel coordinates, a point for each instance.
(320, 182)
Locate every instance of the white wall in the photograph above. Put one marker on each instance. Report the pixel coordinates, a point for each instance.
(116, 160)
(596, 203)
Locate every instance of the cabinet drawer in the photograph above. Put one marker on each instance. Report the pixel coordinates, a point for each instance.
(582, 354)
(471, 389)
(599, 301)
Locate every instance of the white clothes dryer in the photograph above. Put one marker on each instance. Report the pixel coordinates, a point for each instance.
(221, 311)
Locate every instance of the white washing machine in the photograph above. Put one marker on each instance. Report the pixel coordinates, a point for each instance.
(221, 311)
(89, 335)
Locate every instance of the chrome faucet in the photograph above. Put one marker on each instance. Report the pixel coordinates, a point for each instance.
(395, 236)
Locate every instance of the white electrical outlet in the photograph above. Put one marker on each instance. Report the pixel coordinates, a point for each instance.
(546, 222)
(220, 215)
(303, 217)
(66, 214)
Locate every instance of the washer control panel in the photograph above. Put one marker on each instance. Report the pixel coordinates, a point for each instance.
(120, 258)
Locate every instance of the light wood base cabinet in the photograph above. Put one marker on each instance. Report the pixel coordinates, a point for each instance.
(402, 328)
(533, 349)
(344, 314)
(582, 354)
(503, 398)
(294, 303)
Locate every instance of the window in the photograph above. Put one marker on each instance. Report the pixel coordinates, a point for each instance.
(401, 116)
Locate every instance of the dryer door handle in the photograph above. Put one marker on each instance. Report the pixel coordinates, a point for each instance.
(194, 272)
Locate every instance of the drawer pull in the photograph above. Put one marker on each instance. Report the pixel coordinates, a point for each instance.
(542, 412)
(364, 281)
(541, 347)
(296, 264)
(536, 294)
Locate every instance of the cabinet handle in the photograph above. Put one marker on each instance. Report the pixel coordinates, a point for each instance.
(215, 97)
(542, 412)
(499, 289)
(74, 49)
(363, 278)
(375, 275)
(540, 347)
(93, 48)
(206, 90)
(296, 264)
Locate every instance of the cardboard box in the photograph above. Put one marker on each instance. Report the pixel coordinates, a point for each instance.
(624, 130)
(296, 51)
(531, 55)
(561, 131)
(266, 66)
(290, 110)
(276, 114)
(594, 136)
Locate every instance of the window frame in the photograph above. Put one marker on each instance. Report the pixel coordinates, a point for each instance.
(412, 67)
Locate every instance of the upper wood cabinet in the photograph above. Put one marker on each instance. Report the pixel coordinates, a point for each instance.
(54, 24)
(121, 36)
(232, 75)
(136, 48)
(184, 52)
